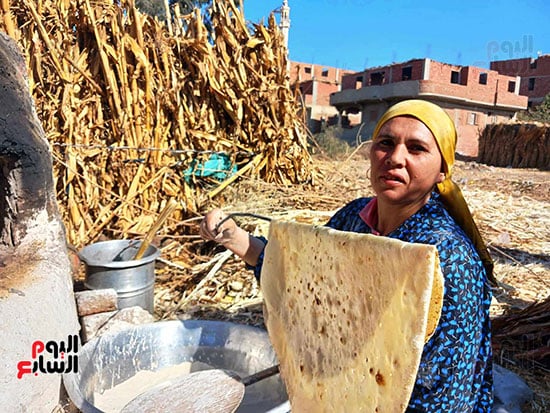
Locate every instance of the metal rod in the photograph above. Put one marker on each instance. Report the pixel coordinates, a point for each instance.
(263, 374)
(242, 214)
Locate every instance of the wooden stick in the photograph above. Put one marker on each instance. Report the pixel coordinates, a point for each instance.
(8, 22)
(168, 16)
(168, 209)
(46, 40)
(218, 261)
(229, 180)
(96, 301)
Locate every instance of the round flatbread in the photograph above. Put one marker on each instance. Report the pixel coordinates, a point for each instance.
(348, 315)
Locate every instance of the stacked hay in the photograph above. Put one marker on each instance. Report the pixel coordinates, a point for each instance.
(519, 145)
(134, 109)
(527, 330)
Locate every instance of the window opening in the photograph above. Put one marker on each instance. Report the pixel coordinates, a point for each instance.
(455, 76)
(483, 78)
(376, 78)
(406, 73)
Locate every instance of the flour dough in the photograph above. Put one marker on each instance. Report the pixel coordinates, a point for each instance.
(348, 315)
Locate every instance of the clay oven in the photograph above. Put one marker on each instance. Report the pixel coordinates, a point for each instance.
(36, 292)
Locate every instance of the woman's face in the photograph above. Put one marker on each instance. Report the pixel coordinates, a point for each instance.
(405, 162)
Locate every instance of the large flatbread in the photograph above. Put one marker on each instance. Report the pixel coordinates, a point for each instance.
(348, 315)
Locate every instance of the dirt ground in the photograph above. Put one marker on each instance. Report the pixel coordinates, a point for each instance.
(509, 205)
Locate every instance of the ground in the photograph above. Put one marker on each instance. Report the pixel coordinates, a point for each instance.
(199, 279)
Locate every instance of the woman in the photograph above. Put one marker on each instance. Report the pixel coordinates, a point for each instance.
(412, 156)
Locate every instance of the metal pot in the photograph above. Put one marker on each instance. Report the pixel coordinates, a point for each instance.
(110, 264)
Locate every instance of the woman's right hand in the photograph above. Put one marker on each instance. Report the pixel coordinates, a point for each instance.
(231, 236)
(211, 230)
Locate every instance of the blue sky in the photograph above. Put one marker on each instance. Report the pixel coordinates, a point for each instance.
(356, 34)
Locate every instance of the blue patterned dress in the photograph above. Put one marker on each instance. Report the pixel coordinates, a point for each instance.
(455, 373)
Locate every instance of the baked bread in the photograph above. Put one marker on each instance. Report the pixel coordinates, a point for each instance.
(348, 315)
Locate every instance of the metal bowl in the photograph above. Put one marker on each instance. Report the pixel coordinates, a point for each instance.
(108, 360)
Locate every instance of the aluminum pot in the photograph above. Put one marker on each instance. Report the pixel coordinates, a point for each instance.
(110, 264)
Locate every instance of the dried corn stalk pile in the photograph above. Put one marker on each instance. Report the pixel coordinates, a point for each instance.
(520, 145)
(130, 105)
(528, 331)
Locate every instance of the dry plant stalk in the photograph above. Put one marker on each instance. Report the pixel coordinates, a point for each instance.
(128, 107)
(518, 145)
(529, 326)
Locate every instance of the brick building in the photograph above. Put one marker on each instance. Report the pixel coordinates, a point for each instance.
(472, 96)
(534, 74)
(316, 83)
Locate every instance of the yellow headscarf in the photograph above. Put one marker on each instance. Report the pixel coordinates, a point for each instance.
(443, 129)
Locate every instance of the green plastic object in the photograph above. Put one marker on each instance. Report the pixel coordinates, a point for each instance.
(218, 166)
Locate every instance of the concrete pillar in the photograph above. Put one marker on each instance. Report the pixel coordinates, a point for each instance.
(426, 69)
(518, 83)
(314, 87)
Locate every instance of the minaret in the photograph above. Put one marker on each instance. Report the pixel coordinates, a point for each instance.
(285, 21)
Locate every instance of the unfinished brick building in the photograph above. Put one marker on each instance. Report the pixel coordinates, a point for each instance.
(316, 83)
(473, 96)
(534, 74)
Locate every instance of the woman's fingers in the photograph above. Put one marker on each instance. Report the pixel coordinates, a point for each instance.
(204, 232)
(225, 231)
(211, 230)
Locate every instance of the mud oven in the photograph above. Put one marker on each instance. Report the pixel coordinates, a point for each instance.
(37, 304)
